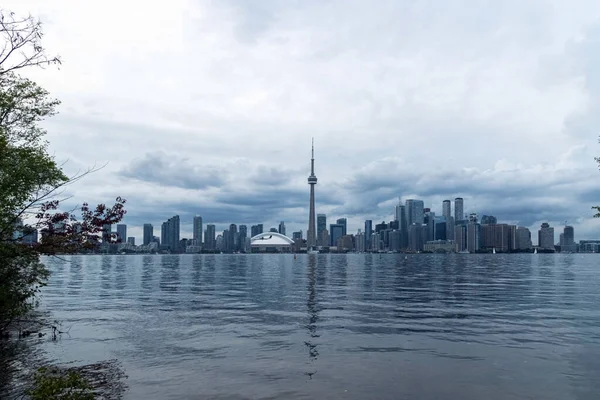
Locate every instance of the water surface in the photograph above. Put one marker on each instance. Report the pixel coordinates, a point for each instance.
(335, 326)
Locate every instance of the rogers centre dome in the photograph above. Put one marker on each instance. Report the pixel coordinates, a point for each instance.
(271, 239)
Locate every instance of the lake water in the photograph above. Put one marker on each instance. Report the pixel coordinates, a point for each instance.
(355, 326)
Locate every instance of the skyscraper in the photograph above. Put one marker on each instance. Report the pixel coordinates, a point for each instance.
(459, 213)
(344, 223)
(321, 228)
(446, 209)
(523, 237)
(282, 228)
(106, 232)
(148, 233)
(122, 233)
(546, 237)
(197, 229)
(232, 239)
(368, 234)
(169, 233)
(414, 211)
(336, 232)
(243, 234)
(312, 181)
(209, 237)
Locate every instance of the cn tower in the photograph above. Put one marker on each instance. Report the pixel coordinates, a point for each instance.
(312, 181)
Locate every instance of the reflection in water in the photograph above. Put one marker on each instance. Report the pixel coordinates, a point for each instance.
(385, 327)
(313, 311)
(169, 273)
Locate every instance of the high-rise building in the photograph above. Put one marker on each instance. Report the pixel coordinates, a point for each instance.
(164, 234)
(131, 240)
(460, 237)
(312, 226)
(148, 234)
(281, 228)
(440, 229)
(336, 231)
(170, 234)
(232, 239)
(297, 235)
(568, 240)
(321, 228)
(488, 220)
(360, 242)
(122, 233)
(368, 234)
(429, 221)
(106, 232)
(459, 213)
(414, 211)
(256, 230)
(450, 228)
(546, 237)
(400, 216)
(243, 235)
(415, 237)
(344, 223)
(523, 238)
(197, 228)
(446, 209)
(473, 237)
(569, 235)
(209, 237)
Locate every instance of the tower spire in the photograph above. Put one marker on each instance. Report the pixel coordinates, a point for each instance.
(312, 157)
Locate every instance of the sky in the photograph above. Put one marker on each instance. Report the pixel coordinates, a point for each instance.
(208, 108)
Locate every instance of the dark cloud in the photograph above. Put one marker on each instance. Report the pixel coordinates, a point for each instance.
(171, 170)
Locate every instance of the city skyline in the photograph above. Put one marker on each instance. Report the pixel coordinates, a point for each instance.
(488, 105)
(321, 221)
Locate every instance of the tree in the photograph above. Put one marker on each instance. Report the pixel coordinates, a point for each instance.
(31, 182)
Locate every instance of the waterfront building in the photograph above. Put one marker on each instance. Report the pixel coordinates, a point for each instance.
(197, 229)
(148, 234)
(546, 237)
(523, 238)
(121, 232)
(368, 234)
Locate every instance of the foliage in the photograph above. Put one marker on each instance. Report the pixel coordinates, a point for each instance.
(31, 182)
(53, 384)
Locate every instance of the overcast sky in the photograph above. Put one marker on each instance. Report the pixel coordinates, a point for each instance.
(208, 107)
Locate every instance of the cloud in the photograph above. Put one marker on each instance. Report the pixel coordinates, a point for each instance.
(172, 170)
(209, 107)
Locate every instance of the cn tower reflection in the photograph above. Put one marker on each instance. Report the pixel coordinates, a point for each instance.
(313, 312)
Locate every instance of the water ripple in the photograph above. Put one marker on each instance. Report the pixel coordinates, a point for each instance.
(335, 326)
